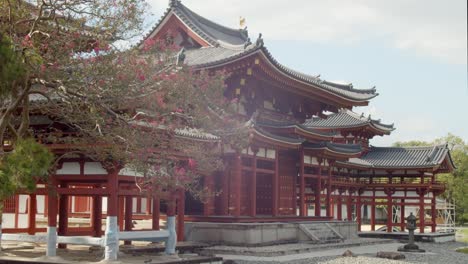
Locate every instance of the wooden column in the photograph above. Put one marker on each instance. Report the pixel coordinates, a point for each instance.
(156, 213)
(433, 213)
(237, 183)
(253, 186)
(318, 190)
(402, 215)
(128, 216)
(208, 206)
(96, 215)
(339, 206)
(389, 212)
(180, 215)
(421, 212)
(275, 186)
(52, 209)
(349, 205)
(148, 205)
(358, 211)
(329, 190)
(63, 215)
(372, 220)
(225, 190)
(32, 210)
(302, 208)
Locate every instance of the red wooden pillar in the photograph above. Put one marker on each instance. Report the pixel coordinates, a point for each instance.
(372, 220)
(402, 215)
(389, 213)
(63, 215)
(421, 212)
(208, 206)
(96, 215)
(225, 191)
(433, 213)
(358, 211)
(329, 190)
(156, 213)
(180, 215)
(318, 190)
(32, 210)
(128, 216)
(275, 186)
(253, 186)
(339, 206)
(349, 205)
(302, 207)
(237, 183)
(121, 216)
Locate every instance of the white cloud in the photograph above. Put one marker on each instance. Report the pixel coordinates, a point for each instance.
(430, 28)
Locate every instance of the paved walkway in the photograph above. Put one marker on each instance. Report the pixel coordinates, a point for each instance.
(358, 250)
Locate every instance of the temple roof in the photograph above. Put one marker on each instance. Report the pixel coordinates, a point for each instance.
(352, 149)
(212, 32)
(227, 45)
(290, 125)
(403, 157)
(347, 119)
(218, 56)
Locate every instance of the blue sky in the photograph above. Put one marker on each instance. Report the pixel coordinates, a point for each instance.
(413, 51)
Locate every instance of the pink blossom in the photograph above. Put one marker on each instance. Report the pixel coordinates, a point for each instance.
(192, 164)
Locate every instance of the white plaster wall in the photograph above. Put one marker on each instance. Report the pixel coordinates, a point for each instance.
(40, 204)
(8, 220)
(104, 204)
(143, 204)
(134, 204)
(94, 168)
(22, 203)
(70, 168)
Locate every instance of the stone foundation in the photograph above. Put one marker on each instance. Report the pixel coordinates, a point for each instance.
(257, 234)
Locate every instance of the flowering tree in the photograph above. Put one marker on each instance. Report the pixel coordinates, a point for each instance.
(122, 107)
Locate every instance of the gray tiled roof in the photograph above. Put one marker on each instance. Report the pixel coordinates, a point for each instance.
(293, 125)
(404, 157)
(227, 44)
(213, 33)
(289, 140)
(345, 119)
(335, 147)
(210, 31)
(214, 56)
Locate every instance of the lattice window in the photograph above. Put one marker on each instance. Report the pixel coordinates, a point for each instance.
(9, 205)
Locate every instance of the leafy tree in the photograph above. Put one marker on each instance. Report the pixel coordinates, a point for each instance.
(21, 168)
(125, 108)
(457, 181)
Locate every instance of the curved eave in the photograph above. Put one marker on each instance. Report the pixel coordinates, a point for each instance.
(377, 130)
(325, 150)
(298, 130)
(267, 138)
(266, 56)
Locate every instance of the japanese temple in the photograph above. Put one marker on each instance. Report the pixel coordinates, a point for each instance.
(309, 157)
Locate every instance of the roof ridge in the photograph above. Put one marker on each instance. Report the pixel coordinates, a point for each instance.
(229, 30)
(409, 147)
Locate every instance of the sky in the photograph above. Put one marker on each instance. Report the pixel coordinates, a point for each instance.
(413, 51)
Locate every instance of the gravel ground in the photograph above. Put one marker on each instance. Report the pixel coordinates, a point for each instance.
(437, 253)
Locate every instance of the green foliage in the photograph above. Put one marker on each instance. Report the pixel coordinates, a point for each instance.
(11, 68)
(21, 168)
(457, 181)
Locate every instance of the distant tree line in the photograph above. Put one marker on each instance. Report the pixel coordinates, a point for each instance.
(457, 181)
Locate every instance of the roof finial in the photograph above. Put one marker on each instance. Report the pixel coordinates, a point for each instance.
(259, 42)
(247, 43)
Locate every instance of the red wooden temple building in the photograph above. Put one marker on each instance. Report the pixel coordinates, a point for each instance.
(309, 157)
